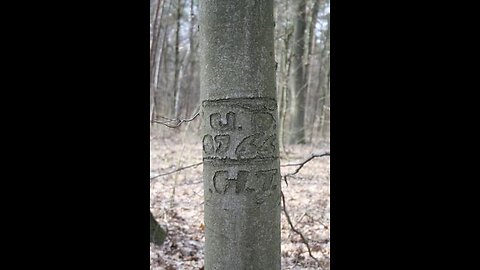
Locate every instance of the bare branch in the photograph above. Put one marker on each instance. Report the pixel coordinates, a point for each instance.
(177, 170)
(301, 164)
(177, 123)
(284, 177)
(295, 230)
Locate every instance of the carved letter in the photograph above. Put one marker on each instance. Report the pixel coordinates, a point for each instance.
(220, 124)
(219, 181)
(266, 178)
(222, 183)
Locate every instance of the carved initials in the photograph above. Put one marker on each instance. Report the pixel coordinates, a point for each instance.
(222, 183)
(267, 179)
(263, 183)
(222, 124)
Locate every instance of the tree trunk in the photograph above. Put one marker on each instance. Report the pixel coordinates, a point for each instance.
(192, 58)
(176, 83)
(297, 134)
(324, 85)
(309, 68)
(326, 110)
(241, 168)
(284, 71)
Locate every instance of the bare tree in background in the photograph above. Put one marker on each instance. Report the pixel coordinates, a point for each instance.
(297, 132)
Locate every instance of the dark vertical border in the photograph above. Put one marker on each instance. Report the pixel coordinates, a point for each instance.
(369, 186)
(82, 126)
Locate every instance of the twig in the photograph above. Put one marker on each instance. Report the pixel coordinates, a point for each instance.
(301, 165)
(297, 231)
(179, 169)
(284, 177)
(178, 121)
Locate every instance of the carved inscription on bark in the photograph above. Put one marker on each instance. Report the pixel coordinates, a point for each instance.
(238, 132)
(222, 124)
(250, 123)
(256, 185)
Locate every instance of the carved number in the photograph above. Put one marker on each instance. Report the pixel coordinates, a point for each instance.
(208, 145)
(247, 147)
(219, 145)
(223, 143)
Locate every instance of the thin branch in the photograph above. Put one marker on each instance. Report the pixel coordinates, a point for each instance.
(178, 121)
(297, 231)
(301, 164)
(290, 174)
(177, 170)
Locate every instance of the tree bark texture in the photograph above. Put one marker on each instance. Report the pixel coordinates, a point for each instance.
(241, 169)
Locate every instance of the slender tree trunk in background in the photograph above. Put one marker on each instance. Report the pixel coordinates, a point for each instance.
(324, 84)
(309, 68)
(311, 30)
(158, 75)
(297, 134)
(192, 60)
(326, 110)
(284, 104)
(174, 111)
(154, 59)
(155, 37)
(284, 70)
(241, 168)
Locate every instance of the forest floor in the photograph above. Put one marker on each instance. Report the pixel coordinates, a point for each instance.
(176, 201)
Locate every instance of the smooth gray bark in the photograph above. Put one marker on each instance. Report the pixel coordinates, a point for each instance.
(240, 145)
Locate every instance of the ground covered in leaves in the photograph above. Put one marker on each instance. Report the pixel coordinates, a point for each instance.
(176, 201)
